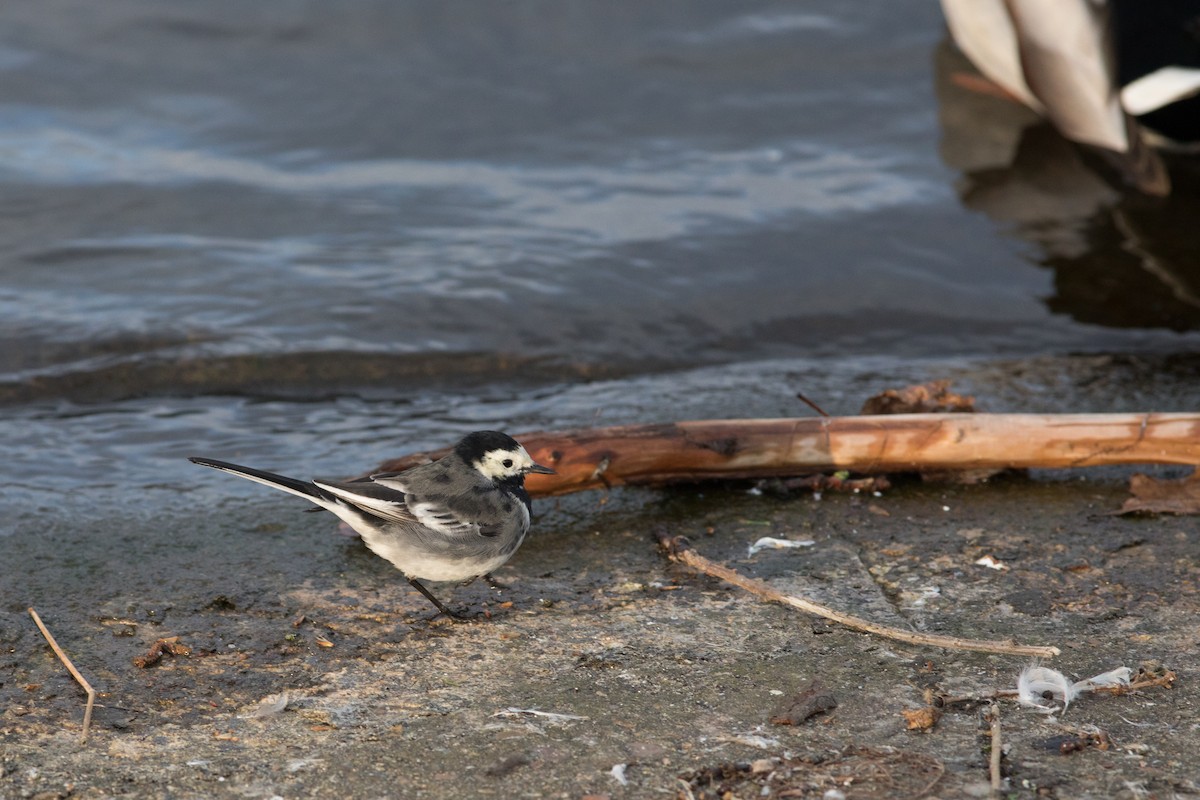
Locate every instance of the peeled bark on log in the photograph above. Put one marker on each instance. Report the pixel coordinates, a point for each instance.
(651, 455)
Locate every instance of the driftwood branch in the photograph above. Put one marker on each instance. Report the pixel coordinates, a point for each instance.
(648, 455)
(82, 681)
(678, 549)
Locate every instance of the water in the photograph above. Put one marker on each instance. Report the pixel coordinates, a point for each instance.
(313, 236)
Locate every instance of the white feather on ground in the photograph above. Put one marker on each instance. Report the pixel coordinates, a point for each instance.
(771, 542)
(271, 704)
(1114, 677)
(1036, 681)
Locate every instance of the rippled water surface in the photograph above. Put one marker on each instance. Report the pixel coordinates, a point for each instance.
(323, 234)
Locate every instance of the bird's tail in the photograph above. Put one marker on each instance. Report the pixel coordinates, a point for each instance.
(305, 489)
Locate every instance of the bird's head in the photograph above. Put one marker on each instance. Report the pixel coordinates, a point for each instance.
(497, 456)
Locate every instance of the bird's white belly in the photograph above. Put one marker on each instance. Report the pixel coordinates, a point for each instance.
(418, 563)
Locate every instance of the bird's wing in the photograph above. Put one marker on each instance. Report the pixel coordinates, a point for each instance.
(436, 499)
(437, 516)
(388, 497)
(373, 498)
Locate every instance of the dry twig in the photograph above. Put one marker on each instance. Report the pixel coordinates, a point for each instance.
(87, 687)
(168, 646)
(1165, 680)
(993, 714)
(678, 549)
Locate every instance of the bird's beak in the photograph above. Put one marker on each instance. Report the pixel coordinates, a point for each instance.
(540, 470)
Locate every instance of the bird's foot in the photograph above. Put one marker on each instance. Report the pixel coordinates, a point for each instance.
(443, 609)
(491, 581)
(495, 584)
(459, 616)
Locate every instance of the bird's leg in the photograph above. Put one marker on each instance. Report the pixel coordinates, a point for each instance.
(440, 607)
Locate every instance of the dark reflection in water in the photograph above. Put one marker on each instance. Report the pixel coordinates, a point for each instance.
(1120, 259)
(1145, 267)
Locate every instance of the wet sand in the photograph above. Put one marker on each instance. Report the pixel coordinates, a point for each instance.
(671, 674)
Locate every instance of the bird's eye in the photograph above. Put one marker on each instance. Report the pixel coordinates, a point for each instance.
(507, 463)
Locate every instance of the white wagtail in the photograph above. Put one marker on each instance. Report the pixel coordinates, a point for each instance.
(458, 518)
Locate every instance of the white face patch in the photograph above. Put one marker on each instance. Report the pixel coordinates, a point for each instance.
(500, 464)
